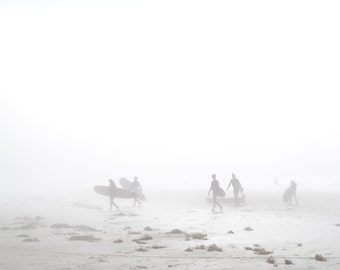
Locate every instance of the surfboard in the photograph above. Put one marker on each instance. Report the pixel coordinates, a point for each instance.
(126, 184)
(117, 193)
(287, 195)
(220, 192)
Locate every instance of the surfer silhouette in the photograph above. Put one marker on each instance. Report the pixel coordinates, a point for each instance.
(214, 188)
(135, 185)
(237, 188)
(113, 188)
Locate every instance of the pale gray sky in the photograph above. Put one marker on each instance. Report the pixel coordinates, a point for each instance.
(171, 91)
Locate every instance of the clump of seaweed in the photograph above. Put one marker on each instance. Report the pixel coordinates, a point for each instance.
(214, 247)
(141, 249)
(134, 232)
(30, 240)
(248, 229)
(118, 241)
(288, 262)
(261, 251)
(158, 247)
(175, 231)
(199, 236)
(200, 247)
(320, 258)
(189, 249)
(87, 238)
(146, 237)
(270, 260)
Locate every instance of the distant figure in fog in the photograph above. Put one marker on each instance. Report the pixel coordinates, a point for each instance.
(292, 187)
(214, 187)
(135, 185)
(237, 188)
(113, 188)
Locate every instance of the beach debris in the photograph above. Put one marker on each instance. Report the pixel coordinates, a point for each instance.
(141, 267)
(299, 244)
(320, 258)
(175, 231)
(198, 236)
(214, 247)
(257, 249)
(149, 229)
(126, 228)
(200, 247)
(288, 262)
(61, 226)
(6, 228)
(23, 235)
(158, 247)
(270, 260)
(230, 232)
(118, 241)
(146, 237)
(30, 240)
(29, 226)
(337, 224)
(140, 242)
(134, 232)
(189, 249)
(261, 251)
(87, 238)
(248, 229)
(141, 249)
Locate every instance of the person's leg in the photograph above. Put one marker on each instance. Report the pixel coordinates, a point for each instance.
(236, 192)
(220, 206)
(214, 202)
(114, 204)
(111, 202)
(294, 194)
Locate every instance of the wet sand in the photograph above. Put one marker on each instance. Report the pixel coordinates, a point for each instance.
(76, 231)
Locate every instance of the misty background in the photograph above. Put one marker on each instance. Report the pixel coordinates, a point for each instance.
(96, 90)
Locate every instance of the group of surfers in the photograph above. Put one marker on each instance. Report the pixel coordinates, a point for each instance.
(214, 188)
(238, 190)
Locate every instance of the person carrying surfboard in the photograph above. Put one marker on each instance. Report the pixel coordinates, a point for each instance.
(113, 188)
(135, 185)
(214, 187)
(237, 188)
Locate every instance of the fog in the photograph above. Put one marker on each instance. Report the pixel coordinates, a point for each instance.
(98, 90)
(171, 92)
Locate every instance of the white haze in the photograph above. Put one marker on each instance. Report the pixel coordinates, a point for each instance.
(170, 91)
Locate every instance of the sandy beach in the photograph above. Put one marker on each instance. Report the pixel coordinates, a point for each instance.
(172, 230)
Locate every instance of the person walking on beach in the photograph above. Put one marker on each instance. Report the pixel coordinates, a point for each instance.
(214, 187)
(113, 189)
(135, 186)
(237, 188)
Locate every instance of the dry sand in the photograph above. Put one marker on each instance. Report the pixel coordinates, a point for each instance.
(28, 239)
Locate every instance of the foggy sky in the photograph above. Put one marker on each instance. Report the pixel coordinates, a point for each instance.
(169, 91)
